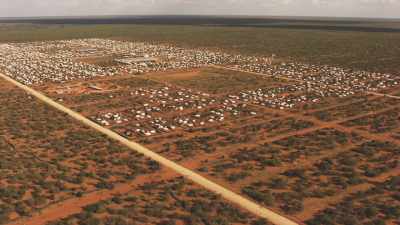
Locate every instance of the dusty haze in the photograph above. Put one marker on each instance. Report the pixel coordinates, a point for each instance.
(330, 8)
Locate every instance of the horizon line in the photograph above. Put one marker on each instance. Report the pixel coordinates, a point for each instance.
(190, 15)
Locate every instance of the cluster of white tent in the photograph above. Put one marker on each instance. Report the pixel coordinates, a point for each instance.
(60, 61)
(326, 79)
(290, 95)
(164, 109)
(57, 61)
(24, 63)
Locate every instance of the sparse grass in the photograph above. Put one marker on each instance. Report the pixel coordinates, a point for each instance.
(220, 81)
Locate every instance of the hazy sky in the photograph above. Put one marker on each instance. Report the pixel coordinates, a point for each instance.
(339, 8)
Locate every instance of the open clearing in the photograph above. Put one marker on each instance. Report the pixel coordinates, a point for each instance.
(218, 81)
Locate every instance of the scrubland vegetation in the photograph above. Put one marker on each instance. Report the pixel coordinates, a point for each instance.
(374, 51)
(306, 140)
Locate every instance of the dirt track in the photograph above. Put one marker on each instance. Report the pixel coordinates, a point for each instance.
(383, 95)
(225, 193)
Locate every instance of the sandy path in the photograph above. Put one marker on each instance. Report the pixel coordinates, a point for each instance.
(225, 193)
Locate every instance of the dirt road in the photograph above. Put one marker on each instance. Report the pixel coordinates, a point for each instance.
(383, 95)
(218, 189)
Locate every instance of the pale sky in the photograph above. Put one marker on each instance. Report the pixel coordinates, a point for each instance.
(329, 8)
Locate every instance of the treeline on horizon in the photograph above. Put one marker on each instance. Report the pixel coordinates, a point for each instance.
(307, 23)
(346, 48)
